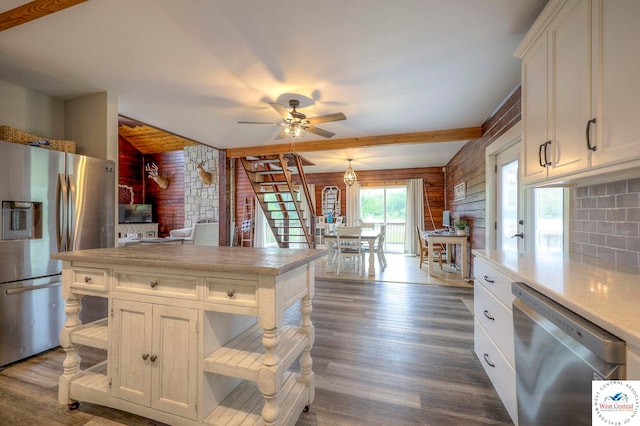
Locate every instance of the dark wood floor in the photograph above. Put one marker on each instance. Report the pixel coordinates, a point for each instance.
(385, 354)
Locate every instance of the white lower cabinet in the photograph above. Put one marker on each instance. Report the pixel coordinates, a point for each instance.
(153, 356)
(493, 332)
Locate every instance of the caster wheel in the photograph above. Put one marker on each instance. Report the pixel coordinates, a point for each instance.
(306, 409)
(74, 405)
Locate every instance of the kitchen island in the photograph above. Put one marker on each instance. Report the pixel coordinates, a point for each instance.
(194, 335)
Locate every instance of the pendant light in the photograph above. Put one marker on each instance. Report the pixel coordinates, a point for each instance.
(350, 176)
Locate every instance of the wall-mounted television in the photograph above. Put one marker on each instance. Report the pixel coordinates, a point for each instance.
(134, 213)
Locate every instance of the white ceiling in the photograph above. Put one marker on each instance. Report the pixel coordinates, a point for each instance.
(197, 67)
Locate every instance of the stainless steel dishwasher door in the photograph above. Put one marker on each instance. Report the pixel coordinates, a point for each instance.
(553, 370)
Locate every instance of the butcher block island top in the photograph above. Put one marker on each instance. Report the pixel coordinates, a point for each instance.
(193, 335)
(267, 261)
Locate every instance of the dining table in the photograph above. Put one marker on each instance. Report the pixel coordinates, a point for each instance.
(370, 236)
(448, 238)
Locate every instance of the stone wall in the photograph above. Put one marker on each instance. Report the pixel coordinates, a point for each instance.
(201, 202)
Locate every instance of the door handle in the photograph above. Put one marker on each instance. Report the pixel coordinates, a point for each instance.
(540, 155)
(546, 157)
(488, 315)
(519, 235)
(589, 123)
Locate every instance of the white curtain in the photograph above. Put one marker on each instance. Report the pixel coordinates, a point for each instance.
(260, 225)
(415, 215)
(353, 204)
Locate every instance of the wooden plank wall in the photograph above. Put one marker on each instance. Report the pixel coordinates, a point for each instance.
(130, 171)
(468, 165)
(433, 181)
(168, 204)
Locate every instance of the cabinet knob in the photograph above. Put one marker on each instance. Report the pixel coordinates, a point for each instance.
(231, 292)
(153, 358)
(87, 279)
(154, 284)
(145, 356)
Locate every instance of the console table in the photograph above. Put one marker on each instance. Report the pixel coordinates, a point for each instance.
(435, 237)
(194, 334)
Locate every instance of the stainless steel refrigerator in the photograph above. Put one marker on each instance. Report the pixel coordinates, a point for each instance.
(51, 202)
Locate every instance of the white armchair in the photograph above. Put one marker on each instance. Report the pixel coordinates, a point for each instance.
(202, 234)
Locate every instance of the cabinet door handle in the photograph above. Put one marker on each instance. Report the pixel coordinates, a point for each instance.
(488, 360)
(488, 315)
(153, 358)
(546, 156)
(87, 279)
(231, 292)
(145, 356)
(487, 279)
(589, 123)
(154, 284)
(540, 155)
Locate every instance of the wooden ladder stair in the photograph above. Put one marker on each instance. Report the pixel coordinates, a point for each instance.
(280, 199)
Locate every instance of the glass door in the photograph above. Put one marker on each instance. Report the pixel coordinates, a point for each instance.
(509, 223)
(386, 205)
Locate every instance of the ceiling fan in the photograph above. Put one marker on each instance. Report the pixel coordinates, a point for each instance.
(296, 124)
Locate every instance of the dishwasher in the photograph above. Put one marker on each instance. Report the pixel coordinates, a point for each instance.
(557, 356)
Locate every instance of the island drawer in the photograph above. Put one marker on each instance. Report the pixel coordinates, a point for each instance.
(230, 291)
(158, 284)
(89, 278)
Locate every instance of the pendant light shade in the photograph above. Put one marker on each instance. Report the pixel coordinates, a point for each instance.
(350, 176)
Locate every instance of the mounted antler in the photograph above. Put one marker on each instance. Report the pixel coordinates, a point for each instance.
(205, 176)
(162, 181)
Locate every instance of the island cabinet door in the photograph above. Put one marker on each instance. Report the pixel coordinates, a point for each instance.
(154, 355)
(131, 351)
(174, 373)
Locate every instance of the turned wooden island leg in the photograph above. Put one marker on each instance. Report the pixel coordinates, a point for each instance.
(71, 363)
(268, 380)
(306, 363)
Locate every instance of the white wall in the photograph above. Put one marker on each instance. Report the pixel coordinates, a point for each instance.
(31, 111)
(92, 121)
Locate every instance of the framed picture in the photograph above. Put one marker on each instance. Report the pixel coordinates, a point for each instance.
(460, 191)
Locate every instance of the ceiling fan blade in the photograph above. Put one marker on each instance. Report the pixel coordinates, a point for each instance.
(319, 132)
(259, 122)
(326, 118)
(280, 109)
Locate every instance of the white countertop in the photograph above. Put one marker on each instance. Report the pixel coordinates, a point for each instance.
(605, 293)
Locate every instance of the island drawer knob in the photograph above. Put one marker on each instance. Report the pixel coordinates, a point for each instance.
(87, 279)
(154, 284)
(145, 356)
(153, 358)
(231, 292)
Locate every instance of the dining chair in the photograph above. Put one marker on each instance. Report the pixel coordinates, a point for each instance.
(424, 250)
(349, 246)
(380, 247)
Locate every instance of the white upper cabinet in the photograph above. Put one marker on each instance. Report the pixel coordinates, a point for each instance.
(617, 81)
(579, 94)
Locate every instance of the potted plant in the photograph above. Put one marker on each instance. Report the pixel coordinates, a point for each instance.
(461, 224)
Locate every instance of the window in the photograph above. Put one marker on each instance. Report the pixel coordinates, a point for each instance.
(549, 222)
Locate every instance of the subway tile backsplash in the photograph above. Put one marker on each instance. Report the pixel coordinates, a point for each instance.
(606, 221)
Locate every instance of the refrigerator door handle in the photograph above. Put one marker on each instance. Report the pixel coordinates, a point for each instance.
(62, 208)
(72, 213)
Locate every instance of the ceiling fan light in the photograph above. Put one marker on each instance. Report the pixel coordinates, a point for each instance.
(350, 176)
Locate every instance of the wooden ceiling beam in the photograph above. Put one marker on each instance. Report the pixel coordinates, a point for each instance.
(448, 135)
(33, 10)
